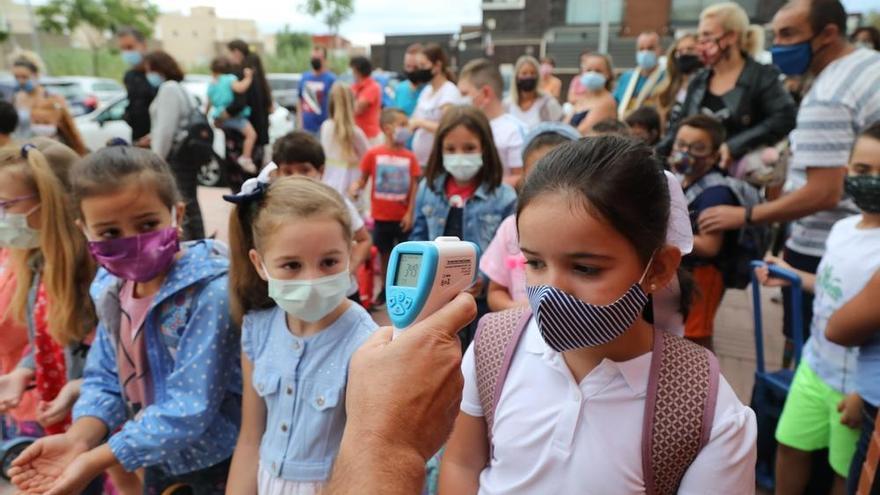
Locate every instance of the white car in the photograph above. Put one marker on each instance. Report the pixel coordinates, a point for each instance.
(107, 123)
(84, 94)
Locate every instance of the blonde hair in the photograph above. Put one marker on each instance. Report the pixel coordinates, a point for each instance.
(523, 60)
(68, 269)
(733, 18)
(56, 109)
(341, 108)
(251, 224)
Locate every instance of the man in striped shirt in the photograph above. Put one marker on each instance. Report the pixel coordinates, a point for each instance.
(810, 37)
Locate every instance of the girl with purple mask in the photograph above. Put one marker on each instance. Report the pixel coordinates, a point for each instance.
(162, 384)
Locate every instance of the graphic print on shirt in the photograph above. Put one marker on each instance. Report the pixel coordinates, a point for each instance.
(313, 96)
(392, 177)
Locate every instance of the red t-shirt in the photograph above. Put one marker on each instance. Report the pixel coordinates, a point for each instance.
(393, 171)
(369, 91)
(465, 192)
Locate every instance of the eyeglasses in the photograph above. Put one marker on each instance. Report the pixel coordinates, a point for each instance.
(697, 150)
(5, 204)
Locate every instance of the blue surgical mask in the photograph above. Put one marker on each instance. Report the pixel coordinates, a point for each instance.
(132, 57)
(793, 60)
(646, 59)
(402, 135)
(463, 166)
(567, 323)
(592, 80)
(27, 86)
(155, 79)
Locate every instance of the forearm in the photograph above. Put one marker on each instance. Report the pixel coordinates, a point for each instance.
(375, 469)
(797, 204)
(429, 125)
(707, 245)
(243, 470)
(858, 320)
(458, 479)
(89, 431)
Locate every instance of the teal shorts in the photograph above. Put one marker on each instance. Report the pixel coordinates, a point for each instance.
(810, 420)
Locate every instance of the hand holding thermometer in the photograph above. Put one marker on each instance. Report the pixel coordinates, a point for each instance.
(423, 276)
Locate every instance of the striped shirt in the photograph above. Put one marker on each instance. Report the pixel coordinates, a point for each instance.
(843, 101)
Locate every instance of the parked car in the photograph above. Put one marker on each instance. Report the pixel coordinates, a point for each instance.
(285, 89)
(7, 86)
(106, 123)
(84, 94)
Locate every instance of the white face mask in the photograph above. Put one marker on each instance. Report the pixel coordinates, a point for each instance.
(463, 166)
(309, 300)
(15, 232)
(44, 130)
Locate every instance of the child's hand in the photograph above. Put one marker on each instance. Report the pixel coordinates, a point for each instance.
(354, 191)
(50, 413)
(248, 72)
(407, 223)
(763, 273)
(726, 158)
(851, 409)
(44, 461)
(12, 387)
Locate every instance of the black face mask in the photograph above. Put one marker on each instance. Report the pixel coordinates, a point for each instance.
(420, 76)
(410, 76)
(527, 84)
(688, 63)
(316, 63)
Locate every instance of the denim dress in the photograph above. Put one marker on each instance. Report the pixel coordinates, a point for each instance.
(302, 381)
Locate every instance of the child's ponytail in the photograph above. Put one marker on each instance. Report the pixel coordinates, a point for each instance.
(247, 291)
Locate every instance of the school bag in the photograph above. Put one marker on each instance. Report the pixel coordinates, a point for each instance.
(194, 144)
(752, 241)
(679, 409)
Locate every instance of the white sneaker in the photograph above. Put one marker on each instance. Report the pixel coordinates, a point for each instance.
(247, 165)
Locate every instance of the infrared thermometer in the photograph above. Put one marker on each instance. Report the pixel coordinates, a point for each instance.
(423, 276)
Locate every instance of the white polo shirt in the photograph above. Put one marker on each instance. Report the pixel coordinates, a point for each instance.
(509, 133)
(553, 435)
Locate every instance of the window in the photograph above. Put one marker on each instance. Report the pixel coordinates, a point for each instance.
(504, 4)
(590, 13)
(689, 10)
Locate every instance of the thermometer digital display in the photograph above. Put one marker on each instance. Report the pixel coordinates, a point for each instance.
(425, 275)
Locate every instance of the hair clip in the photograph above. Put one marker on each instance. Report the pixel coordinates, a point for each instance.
(557, 128)
(254, 188)
(26, 149)
(117, 141)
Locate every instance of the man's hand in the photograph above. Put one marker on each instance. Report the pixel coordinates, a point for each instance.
(403, 396)
(721, 218)
(35, 469)
(12, 387)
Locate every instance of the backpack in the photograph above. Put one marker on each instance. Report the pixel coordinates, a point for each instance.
(752, 241)
(679, 408)
(196, 146)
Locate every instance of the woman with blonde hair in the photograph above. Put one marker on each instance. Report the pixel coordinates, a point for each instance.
(527, 102)
(682, 62)
(26, 69)
(343, 141)
(746, 96)
(50, 118)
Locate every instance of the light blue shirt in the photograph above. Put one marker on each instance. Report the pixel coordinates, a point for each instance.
(222, 95)
(406, 96)
(302, 381)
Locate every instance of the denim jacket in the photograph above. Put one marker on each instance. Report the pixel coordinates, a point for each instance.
(193, 351)
(482, 214)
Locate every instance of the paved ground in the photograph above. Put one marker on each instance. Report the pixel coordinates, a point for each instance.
(734, 338)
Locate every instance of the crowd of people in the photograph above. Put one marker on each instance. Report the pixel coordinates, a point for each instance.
(146, 358)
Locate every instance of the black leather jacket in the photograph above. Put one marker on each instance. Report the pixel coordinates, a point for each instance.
(762, 111)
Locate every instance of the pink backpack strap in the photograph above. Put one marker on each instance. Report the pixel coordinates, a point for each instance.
(679, 410)
(494, 345)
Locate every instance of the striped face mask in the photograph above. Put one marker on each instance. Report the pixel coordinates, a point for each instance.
(568, 323)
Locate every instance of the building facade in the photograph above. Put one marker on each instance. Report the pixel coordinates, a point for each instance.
(195, 39)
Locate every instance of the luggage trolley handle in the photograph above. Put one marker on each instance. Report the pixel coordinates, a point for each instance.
(796, 314)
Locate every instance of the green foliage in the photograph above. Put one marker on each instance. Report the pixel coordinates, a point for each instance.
(873, 19)
(332, 12)
(289, 42)
(78, 62)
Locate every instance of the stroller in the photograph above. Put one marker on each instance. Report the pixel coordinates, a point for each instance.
(771, 389)
(12, 445)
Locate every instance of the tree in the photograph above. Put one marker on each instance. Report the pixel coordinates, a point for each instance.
(289, 42)
(100, 16)
(333, 12)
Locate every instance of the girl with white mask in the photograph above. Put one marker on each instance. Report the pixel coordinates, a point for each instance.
(291, 242)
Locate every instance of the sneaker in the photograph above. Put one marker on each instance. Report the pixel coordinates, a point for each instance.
(247, 165)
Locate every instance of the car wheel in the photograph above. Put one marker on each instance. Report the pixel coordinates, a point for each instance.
(210, 174)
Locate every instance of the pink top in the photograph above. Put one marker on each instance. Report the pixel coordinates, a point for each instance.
(131, 350)
(13, 339)
(504, 263)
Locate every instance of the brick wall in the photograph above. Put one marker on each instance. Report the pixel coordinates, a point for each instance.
(645, 15)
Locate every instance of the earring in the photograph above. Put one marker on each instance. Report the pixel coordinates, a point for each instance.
(653, 287)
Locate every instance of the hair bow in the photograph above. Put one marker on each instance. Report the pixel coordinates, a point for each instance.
(117, 141)
(26, 149)
(255, 188)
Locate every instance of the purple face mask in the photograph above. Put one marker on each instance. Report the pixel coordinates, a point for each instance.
(140, 258)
